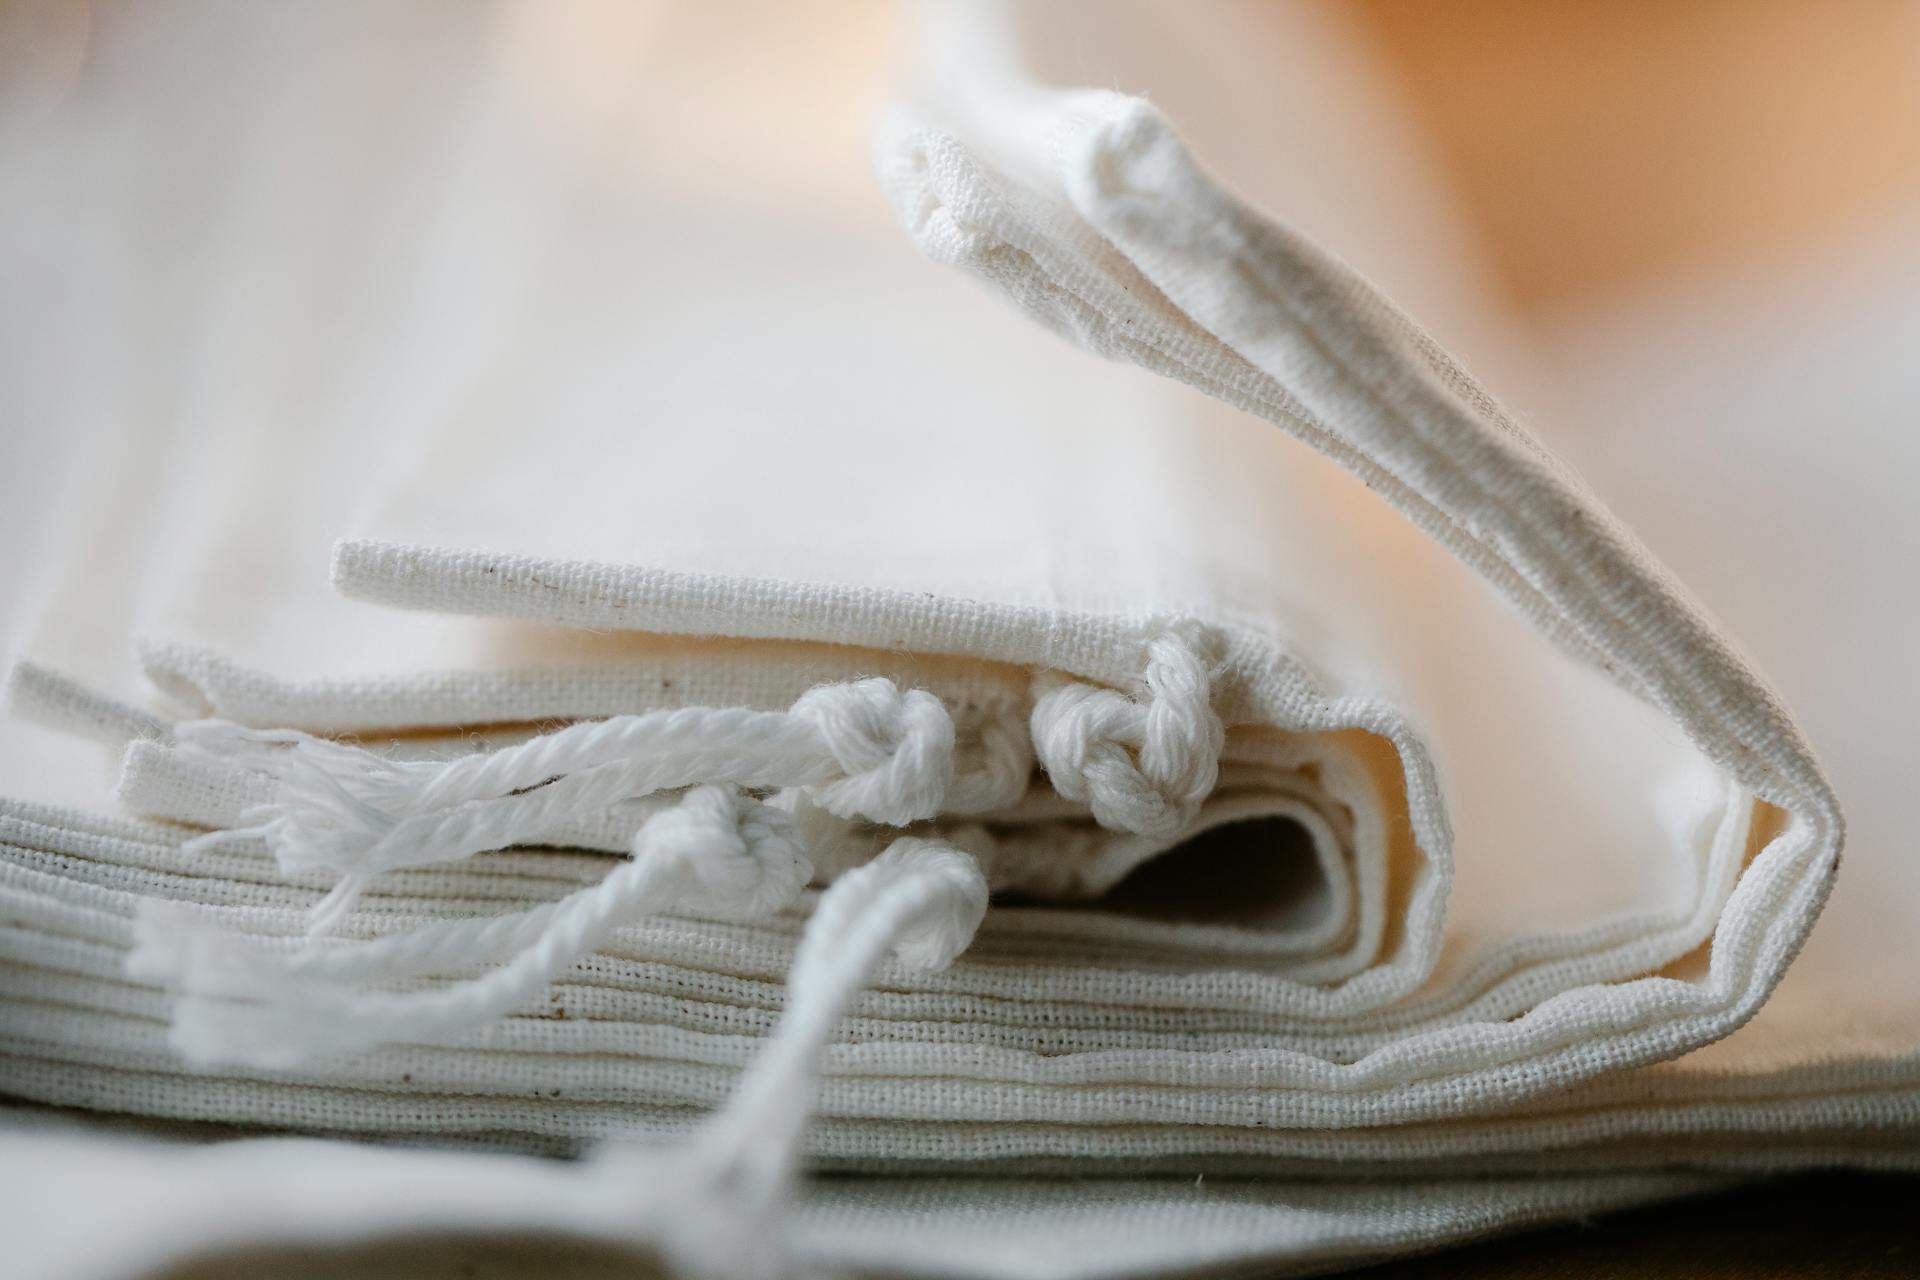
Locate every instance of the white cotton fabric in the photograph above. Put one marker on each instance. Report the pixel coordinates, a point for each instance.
(707, 428)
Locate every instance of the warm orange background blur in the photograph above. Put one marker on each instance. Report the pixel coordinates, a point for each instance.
(1596, 145)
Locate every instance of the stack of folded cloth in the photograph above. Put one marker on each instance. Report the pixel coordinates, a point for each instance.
(775, 709)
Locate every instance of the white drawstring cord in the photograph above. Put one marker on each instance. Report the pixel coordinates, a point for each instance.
(715, 853)
(1141, 765)
(860, 749)
(998, 768)
(718, 1204)
(716, 1208)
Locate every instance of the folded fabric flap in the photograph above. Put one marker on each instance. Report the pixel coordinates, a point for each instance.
(44, 696)
(1089, 212)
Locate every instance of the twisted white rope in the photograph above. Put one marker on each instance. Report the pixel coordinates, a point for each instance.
(860, 749)
(1140, 764)
(998, 769)
(716, 853)
(719, 1204)
(921, 901)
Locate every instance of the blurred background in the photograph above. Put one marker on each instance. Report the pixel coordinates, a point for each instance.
(1601, 149)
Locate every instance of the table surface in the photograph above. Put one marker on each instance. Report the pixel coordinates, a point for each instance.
(1820, 1225)
(1823, 1227)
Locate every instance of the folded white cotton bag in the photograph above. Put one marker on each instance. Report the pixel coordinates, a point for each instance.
(1031, 553)
(1496, 855)
(812, 540)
